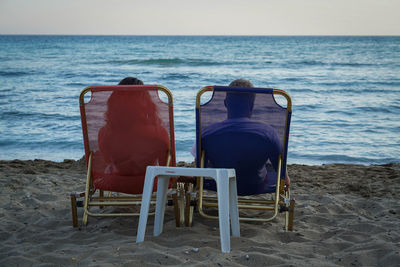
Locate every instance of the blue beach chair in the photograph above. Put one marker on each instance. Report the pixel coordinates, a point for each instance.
(246, 129)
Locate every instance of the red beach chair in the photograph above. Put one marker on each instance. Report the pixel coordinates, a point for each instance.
(125, 129)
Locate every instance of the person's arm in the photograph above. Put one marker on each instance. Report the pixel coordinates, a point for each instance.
(287, 180)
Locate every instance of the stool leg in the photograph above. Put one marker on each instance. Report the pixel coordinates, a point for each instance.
(146, 198)
(233, 208)
(223, 209)
(162, 188)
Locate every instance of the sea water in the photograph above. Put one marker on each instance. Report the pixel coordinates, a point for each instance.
(345, 90)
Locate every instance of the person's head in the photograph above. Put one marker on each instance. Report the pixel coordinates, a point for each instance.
(239, 105)
(241, 83)
(130, 81)
(127, 107)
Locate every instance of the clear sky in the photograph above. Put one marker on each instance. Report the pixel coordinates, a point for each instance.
(201, 17)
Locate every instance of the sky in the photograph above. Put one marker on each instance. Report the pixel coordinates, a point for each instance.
(201, 17)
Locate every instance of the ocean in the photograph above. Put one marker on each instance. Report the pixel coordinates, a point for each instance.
(345, 89)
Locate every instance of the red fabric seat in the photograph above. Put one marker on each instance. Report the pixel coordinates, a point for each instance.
(127, 129)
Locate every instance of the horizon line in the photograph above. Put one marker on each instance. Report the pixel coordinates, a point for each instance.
(205, 35)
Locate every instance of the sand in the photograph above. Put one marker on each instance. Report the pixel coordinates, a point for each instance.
(346, 215)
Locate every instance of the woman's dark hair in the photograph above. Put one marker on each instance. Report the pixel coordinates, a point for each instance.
(130, 81)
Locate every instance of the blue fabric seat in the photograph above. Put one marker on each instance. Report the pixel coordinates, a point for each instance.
(247, 153)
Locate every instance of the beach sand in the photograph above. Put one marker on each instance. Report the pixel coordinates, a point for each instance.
(346, 215)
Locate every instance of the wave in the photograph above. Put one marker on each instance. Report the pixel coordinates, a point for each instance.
(335, 158)
(343, 88)
(293, 79)
(165, 62)
(11, 73)
(357, 85)
(175, 76)
(342, 112)
(74, 84)
(343, 85)
(322, 63)
(305, 90)
(382, 109)
(307, 63)
(57, 144)
(387, 83)
(307, 107)
(73, 75)
(159, 61)
(20, 115)
(184, 145)
(351, 64)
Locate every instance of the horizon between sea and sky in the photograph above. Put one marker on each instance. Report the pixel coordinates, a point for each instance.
(345, 85)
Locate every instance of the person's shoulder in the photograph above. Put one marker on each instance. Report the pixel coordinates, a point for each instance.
(213, 127)
(264, 126)
(256, 124)
(263, 129)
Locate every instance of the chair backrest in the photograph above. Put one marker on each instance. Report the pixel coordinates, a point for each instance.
(125, 129)
(247, 131)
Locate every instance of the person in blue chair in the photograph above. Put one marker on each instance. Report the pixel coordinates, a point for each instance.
(250, 147)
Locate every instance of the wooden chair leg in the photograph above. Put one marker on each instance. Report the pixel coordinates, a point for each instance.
(74, 211)
(291, 214)
(87, 190)
(176, 208)
(189, 208)
(101, 194)
(181, 205)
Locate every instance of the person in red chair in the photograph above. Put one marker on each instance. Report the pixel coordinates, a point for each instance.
(132, 138)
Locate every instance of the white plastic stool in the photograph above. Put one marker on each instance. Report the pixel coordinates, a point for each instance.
(226, 191)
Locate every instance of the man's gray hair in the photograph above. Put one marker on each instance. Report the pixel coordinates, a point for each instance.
(241, 83)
